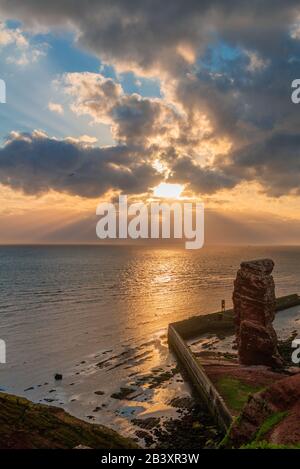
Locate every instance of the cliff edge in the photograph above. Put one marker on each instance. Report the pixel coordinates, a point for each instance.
(25, 425)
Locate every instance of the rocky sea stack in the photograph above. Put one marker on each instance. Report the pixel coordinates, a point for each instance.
(254, 310)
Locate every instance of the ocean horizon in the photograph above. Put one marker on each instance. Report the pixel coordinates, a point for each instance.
(99, 315)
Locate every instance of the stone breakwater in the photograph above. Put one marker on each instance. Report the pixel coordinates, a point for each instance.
(254, 310)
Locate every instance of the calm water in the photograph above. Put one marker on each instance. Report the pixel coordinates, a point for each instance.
(99, 316)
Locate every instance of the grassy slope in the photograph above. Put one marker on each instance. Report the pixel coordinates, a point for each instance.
(27, 425)
(235, 392)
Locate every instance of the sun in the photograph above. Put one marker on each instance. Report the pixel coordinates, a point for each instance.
(168, 191)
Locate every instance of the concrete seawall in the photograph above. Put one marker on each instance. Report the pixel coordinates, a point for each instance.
(200, 380)
(180, 331)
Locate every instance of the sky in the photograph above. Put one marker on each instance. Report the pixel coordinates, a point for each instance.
(118, 97)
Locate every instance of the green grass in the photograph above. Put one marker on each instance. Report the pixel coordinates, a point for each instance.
(258, 442)
(235, 392)
(266, 445)
(270, 423)
(226, 441)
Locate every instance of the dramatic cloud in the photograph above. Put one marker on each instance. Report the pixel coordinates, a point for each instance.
(160, 131)
(275, 163)
(225, 70)
(133, 119)
(201, 179)
(35, 163)
(21, 52)
(150, 31)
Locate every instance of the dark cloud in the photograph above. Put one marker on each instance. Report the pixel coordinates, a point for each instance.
(36, 164)
(143, 30)
(228, 60)
(148, 31)
(274, 162)
(137, 119)
(134, 119)
(200, 178)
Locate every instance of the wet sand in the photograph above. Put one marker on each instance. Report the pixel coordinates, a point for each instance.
(149, 404)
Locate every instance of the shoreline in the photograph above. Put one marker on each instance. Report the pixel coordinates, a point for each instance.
(26, 425)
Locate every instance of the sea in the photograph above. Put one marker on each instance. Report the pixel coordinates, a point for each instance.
(98, 315)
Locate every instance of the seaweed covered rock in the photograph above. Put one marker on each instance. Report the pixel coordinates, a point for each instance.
(25, 425)
(254, 309)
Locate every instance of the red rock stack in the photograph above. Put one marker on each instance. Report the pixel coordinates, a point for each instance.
(254, 308)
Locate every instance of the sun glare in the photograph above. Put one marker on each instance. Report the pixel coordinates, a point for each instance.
(169, 191)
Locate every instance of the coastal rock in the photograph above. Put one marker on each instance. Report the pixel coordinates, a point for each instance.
(271, 415)
(27, 425)
(254, 309)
